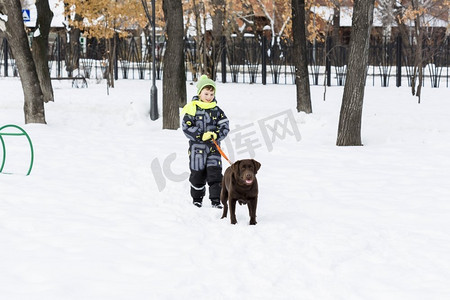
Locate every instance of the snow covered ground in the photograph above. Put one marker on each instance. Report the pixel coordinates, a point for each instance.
(106, 212)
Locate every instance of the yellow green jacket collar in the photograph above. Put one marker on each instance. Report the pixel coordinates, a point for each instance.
(191, 107)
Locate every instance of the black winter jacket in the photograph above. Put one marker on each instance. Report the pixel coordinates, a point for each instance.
(213, 119)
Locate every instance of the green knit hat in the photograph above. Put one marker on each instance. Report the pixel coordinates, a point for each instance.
(204, 81)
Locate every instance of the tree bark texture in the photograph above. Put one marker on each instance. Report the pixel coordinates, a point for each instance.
(72, 48)
(18, 40)
(418, 58)
(217, 33)
(349, 131)
(111, 47)
(300, 57)
(40, 48)
(174, 76)
(199, 42)
(336, 23)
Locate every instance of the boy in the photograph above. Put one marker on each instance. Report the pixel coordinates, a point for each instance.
(203, 121)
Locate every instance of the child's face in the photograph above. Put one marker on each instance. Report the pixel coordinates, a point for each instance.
(207, 95)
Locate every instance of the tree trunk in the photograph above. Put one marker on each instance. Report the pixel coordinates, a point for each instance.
(217, 33)
(199, 42)
(40, 48)
(349, 132)
(72, 50)
(72, 44)
(336, 23)
(111, 50)
(174, 77)
(301, 63)
(418, 59)
(17, 38)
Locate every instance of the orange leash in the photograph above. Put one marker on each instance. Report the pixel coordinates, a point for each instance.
(221, 152)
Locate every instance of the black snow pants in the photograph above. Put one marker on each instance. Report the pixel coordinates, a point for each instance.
(206, 167)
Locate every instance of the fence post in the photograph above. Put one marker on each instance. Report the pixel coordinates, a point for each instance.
(264, 60)
(399, 61)
(58, 56)
(224, 59)
(327, 61)
(5, 55)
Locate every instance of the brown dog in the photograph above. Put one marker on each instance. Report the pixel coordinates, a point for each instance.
(239, 184)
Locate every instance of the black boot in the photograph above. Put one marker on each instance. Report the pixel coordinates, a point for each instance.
(197, 202)
(215, 203)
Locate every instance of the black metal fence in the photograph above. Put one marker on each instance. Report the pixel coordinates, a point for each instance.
(246, 60)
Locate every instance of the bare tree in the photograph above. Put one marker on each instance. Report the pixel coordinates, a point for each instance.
(349, 132)
(72, 43)
(103, 19)
(414, 18)
(40, 47)
(418, 56)
(199, 38)
(301, 63)
(174, 76)
(276, 16)
(336, 21)
(387, 14)
(218, 16)
(17, 38)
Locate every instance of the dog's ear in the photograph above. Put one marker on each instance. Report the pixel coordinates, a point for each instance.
(235, 167)
(257, 165)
